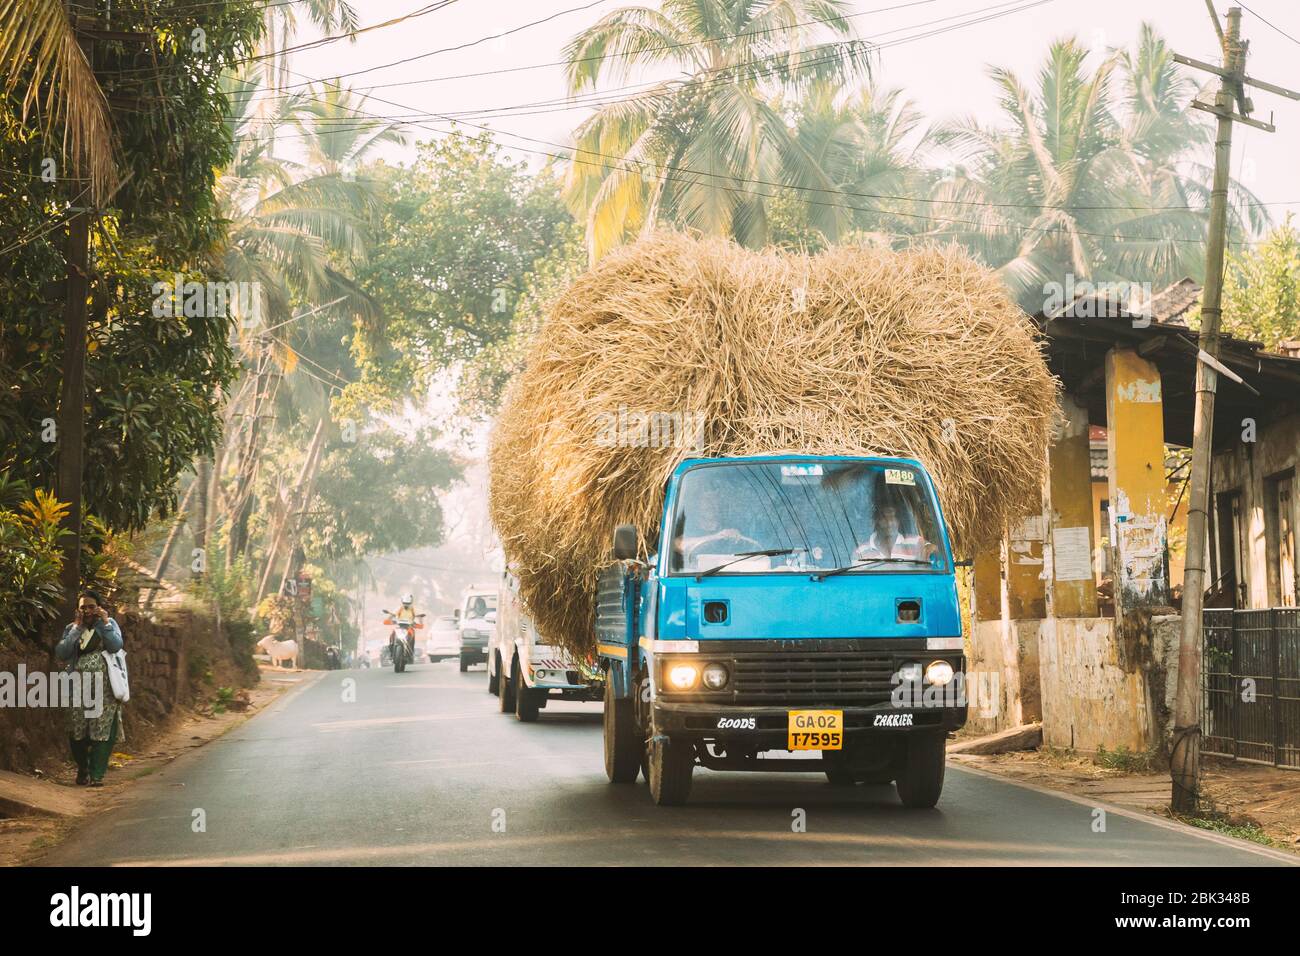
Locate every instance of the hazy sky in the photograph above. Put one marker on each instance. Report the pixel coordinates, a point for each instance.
(944, 74)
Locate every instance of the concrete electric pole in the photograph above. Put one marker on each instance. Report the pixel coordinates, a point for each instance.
(1186, 756)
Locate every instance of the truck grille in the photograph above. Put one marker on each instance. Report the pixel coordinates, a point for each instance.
(812, 679)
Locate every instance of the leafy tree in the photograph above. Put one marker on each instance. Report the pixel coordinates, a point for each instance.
(1261, 289)
(484, 376)
(872, 146)
(378, 494)
(152, 384)
(459, 233)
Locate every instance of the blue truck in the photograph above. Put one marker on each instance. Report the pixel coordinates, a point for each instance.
(786, 604)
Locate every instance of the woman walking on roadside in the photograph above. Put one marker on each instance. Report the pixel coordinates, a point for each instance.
(83, 645)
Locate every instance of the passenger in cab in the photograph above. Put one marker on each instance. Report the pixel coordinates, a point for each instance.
(888, 540)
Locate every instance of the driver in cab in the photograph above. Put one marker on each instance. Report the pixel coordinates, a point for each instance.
(708, 536)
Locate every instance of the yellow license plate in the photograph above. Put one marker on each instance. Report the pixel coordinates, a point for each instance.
(816, 730)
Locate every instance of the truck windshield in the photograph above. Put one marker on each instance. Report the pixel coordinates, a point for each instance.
(820, 516)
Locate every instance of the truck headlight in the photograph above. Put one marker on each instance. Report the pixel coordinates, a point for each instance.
(540, 673)
(683, 676)
(910, 672)
(715, 676)
(938, 673)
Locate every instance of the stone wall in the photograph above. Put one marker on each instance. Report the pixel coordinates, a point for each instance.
(155, 660)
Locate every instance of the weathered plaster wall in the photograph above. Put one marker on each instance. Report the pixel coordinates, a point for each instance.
(1092, 697)
(1089, 700)
(1004, 658)
(1247, 468)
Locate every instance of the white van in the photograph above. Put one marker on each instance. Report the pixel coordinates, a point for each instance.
(478, 617)
(524, 671)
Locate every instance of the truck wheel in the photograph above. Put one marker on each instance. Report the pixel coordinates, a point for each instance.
(622, 745)
(506, 695)
(492, 679)
(920, 778)
(464, 665)
(671, 764)
(527, 700)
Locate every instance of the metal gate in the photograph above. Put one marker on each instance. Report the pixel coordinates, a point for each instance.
(1251, 665)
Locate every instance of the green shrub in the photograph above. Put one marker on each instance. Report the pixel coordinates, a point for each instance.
(31, 558)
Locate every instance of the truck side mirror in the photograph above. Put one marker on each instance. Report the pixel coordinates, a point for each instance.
(625, 542)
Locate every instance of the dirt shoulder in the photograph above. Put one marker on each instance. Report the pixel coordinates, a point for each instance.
(63, 806)
(1247, 801)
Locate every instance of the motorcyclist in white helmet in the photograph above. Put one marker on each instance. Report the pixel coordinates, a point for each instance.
(407, 613)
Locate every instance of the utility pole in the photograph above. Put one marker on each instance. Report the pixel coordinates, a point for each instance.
(1185, 763)
(71, 425)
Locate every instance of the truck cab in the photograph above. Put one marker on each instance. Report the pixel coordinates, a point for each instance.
(526, 671)
(792, 613)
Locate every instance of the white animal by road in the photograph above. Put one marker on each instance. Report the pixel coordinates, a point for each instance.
(279, 650)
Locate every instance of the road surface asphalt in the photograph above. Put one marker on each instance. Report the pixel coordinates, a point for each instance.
(421, 769)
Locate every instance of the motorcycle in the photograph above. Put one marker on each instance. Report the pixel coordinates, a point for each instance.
(401, 646)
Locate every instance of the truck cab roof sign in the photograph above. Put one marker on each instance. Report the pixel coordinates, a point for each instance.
(801, 471)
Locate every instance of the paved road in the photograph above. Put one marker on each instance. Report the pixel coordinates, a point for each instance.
(421, 769)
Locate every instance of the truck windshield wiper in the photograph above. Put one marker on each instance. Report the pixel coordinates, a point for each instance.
(858, 564)
(766, 553)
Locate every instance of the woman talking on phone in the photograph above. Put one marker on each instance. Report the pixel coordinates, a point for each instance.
(84, 643)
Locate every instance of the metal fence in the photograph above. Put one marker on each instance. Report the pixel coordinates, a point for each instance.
(1252, 685)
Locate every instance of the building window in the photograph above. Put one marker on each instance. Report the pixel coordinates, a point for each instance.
(1229, 588)
(1279, 517)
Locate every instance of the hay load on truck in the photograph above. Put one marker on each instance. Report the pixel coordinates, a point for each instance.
(525, 671)
(745, 479)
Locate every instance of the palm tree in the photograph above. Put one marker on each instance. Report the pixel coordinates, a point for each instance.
(291, 228)
(708, 148)
(1081, 180)
(281, 20)
(338, 133)
(871, 146)
(39, 32)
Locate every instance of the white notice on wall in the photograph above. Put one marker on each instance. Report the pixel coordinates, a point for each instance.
(1073, 557)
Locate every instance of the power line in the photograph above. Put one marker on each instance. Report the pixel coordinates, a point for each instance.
(623, 162)
(351, 34)
(320, 41)
(1267, 23)
(604, 56)
(471, 43)
(38, 231)
(710, 78)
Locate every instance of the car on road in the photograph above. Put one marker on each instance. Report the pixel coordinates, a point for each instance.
(478, 616)
(443, 641)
